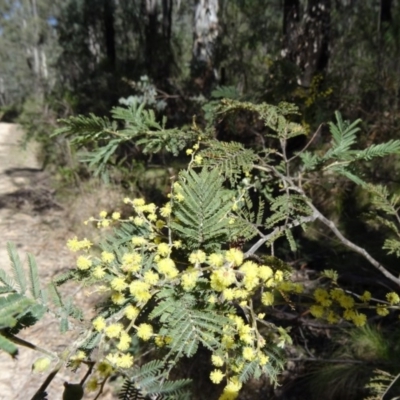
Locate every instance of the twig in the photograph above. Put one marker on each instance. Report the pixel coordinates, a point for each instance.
(278, 230)
(307, 145)
(331, 225)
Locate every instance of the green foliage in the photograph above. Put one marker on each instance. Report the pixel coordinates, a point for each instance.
(380, 385)
(178, 283)
(139, 127)
(149, 381)
(202, 214)
(230, 159)
(23, 302)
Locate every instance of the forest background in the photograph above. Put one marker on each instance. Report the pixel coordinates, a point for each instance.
(64, 58)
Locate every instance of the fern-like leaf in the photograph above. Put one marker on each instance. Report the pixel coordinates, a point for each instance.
(129, 391)
(231, 159)
(201, 218)
(18, 271)
(34, 280)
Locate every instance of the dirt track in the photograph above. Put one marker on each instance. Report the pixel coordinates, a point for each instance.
(32, 219)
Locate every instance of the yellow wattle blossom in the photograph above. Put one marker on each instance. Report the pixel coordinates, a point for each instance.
(189, 279)
(234, 256)
(359, 319)
(103, 214)
(99, 323)
(263, 359)
(105, 223)
(317, 311)
(279, 276)
(166, 210)
(138, 241)
(151, 277)
(212, 299)
(140, 291)
(267, 298)
(179, 197)
(227, 341)
(131, 312)
(177, 244)
(83, 263)
(150, 208)
(265, 272)
(216, 260)
(138, 202)
(99, 272)
(118, 298)
(124, 341)
(107, 257)
(167, 267)
(104, 369)
(197, 257)
(346, 301)
(332, 318)
(152, 217)
(349, 314)
(322, 297)
(216, 376)
(393, 298)
(113, 330)
(250, 271)
(366, 296)
(76, 245)
(138, 221)
(248, 353)
(198, 159)
(231, 390)
(217, 360)
(116, 216)
(145, 331)
(229, 294)
(222, 278)
(118, 284)
(189, 152)
(131, 262)
(382, 310)
(163, 249)
(337, 294)
(92, 385)
(124, 361)
(160, 224)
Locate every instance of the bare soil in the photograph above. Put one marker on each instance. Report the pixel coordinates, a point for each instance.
(35, 222)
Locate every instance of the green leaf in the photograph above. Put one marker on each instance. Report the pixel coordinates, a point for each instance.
(8, 346)
(18, 271)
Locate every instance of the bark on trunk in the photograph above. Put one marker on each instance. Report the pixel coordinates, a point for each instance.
(306, 39)
(109, 32)
(205, 35)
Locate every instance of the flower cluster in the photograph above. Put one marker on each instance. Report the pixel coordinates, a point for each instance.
(335, 305)
(151, 260)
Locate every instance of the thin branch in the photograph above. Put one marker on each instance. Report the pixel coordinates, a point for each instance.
(307, 145)
(331, 225)
(277, 231)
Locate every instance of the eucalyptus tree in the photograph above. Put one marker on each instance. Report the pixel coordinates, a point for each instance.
(27, 47)
(205, 34)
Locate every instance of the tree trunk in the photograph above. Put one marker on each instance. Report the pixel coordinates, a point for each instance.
(205, 35)
(109, 32)
(158, 52)
(306, 40)
(291, 19)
